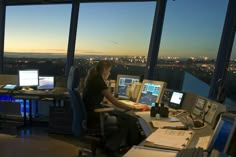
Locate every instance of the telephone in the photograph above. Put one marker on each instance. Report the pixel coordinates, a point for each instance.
(133, 90)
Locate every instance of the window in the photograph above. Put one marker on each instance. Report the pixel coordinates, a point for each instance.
(230, 83)
(115, 31)
(36, 36)
(189, 44)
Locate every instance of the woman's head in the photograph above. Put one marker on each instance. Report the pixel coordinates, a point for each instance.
(103, 68)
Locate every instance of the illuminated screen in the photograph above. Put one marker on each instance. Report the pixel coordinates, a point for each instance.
(176, 100)
(28, 78)
(9, 86)
(221, 133)
(122, 83)
(231, 144)
(151, 92)
(46, 82)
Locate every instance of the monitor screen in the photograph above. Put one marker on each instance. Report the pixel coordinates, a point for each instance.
(9, 86)
(46, 82)
(176, 100)
(28, 78)
(231, 142)
(221, 133)
(151, 92)
(122, 83)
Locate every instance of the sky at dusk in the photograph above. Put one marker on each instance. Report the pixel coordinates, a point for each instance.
(191, 28)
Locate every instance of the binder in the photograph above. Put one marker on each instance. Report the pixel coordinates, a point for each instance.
(169, 139)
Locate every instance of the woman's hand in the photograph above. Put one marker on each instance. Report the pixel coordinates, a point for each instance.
(142, 107)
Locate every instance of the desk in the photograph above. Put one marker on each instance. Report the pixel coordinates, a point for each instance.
(57, 95)
(206, 131)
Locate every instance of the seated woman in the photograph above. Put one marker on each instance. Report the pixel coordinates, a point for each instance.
(95, 89)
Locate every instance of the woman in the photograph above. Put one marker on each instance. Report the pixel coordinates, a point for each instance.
(95, 89)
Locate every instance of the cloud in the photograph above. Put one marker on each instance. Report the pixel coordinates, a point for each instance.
(114, 42)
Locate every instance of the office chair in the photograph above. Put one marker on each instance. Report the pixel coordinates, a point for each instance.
(79, 123)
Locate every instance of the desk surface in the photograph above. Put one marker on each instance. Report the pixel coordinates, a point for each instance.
(206, 131)
(56, 93)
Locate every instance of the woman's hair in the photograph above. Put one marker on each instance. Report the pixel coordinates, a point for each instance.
(97, 69)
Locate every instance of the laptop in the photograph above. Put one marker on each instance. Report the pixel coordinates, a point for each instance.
(46, 83)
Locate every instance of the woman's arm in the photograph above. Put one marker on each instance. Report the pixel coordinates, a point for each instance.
(117, 103)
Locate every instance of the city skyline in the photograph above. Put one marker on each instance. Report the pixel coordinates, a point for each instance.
(117, 28)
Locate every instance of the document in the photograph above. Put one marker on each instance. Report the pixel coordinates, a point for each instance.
(203, 142)
(136, 151)
(161, 124)
(172, 139)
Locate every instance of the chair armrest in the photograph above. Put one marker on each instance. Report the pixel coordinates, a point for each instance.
(106, 109)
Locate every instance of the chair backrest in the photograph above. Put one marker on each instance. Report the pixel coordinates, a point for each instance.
(73, 79)
(78, 107)
(79, 114)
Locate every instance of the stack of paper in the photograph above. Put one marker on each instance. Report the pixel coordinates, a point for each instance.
(161, 124)
(136, 151)
(172, 139)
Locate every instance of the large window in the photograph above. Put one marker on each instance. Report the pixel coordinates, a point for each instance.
(230, 83)
(189, 44)
(36, 36)
(115, 31)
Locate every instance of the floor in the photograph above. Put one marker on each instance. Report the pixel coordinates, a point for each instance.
(37, 142)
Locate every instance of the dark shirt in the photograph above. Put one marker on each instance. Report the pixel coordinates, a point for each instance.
(92, 98)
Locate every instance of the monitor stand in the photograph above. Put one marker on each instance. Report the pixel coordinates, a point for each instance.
(27, 88)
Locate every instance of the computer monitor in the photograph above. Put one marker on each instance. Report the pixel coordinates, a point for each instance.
(176, 100)
(231, 142)
(151, 92)
(46, 82)
(222, 133)
(28, 78)
(122, 83)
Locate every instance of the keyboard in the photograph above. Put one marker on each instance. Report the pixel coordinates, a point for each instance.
(35, 92)
(191, 152)
(128, 102)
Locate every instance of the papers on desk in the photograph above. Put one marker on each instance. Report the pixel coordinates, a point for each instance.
(161, 123)
(136, 151)
(203, 142)
(170, 139)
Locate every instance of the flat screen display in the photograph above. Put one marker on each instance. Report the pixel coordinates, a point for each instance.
(122, 83)
(28, 78)
(151, 92)
(9, 86)
(231, 142)
(46, 82)
(176, 99)
(221, 133)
